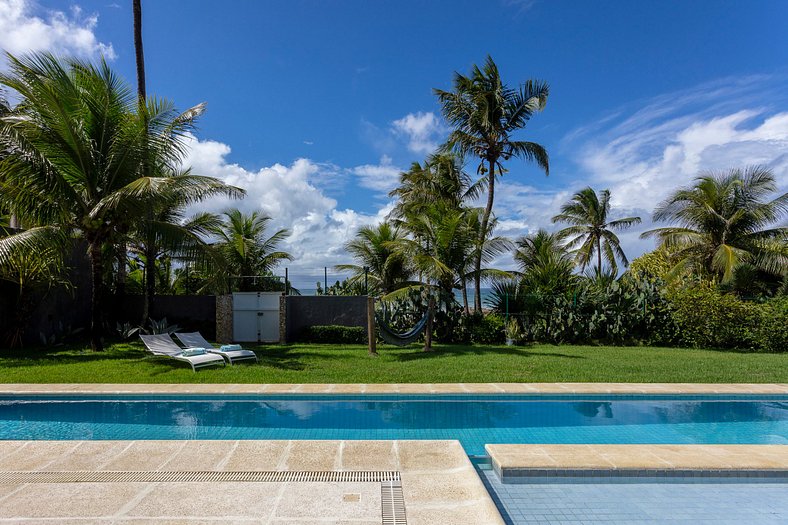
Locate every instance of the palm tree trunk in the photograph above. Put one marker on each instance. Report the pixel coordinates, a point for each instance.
(477, 278)
(138, 52)
(150, 284)
(599, 257)
(465, 296)
(97, 292)
(430, 320)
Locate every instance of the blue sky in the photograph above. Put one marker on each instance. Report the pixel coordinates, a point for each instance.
(315, 106)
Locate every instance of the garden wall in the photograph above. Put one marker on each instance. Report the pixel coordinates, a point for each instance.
(61, 310)
(302, 311)
(193, 313)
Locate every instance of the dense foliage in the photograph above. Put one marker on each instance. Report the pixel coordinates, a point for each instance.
(334, 334)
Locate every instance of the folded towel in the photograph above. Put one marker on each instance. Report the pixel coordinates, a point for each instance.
(230, 348)
(193, 351)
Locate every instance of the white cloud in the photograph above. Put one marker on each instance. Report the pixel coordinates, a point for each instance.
(381, 177)
(292, 197)
(422, 130)
(22, 30)
(643, 153)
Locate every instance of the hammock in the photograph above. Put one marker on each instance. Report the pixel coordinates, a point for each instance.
(401, 339)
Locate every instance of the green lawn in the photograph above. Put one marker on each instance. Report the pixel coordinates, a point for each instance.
(128, 363)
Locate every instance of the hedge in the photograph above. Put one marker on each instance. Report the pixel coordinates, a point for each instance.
(334, 334)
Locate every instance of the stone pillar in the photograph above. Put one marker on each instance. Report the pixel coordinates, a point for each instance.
(224, 318)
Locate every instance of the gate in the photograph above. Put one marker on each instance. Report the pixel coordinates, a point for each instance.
(256, 317)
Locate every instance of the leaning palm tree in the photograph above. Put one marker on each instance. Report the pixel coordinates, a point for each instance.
(485, 113)
(724, 223)
(590, 232)
(77, 143)
(385, 268)
(246, 248)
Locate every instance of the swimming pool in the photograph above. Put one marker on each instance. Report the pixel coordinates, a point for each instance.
(474, 420)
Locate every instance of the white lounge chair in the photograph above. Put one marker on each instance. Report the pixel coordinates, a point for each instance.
(195, 339)
(162, 344)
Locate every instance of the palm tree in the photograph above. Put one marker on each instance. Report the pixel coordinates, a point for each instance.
(485, 113)
(544, 262)
(590, 232)
(450, 246)
(442, 178)
(78, 142)
(725, 223)
(375, 248)
(245, 246)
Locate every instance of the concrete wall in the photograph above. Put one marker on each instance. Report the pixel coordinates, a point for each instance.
(60, 310)
(193, 313)
(303, 311)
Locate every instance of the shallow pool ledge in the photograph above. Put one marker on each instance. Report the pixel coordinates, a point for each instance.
(397, 388)
(512, 462)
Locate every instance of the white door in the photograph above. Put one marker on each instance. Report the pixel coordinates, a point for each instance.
(256, 317)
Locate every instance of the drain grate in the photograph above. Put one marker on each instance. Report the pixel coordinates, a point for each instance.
(197, 476)
(392, 503)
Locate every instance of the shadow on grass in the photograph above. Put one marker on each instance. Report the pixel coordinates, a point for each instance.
(441, 351)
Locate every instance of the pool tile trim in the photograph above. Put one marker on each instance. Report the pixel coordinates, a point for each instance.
(398, 388)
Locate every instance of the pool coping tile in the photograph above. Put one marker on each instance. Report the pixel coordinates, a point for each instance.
(395, 388)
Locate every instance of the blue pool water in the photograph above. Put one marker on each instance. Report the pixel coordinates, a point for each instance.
(473, 420)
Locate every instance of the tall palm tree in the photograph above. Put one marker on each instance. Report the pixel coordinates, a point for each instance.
(78, 141)
(139, 54)
(725, 222)
(245, 246)
(375, 248)
(590, 232)
(485, 114)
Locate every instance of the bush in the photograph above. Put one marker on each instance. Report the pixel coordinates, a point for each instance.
(334, 334)
(708, 318)
(773, 332)
(487, 329)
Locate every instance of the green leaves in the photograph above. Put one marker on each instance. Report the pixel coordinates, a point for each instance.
(724, 222)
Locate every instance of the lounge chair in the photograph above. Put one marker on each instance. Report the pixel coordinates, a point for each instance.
(195, 339)
(162, 344)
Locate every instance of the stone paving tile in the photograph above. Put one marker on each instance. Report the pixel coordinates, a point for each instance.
(348, 501)
(255, 455)
(369, 455)
(220, 500)
(145, 455)
(312, 455)
(69, 500)
(89, 455)
(38, 455)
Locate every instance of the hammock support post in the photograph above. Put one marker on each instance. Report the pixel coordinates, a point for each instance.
(428, 331)
(371, 337)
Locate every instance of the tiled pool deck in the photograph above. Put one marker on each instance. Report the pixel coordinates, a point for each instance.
(439, 484)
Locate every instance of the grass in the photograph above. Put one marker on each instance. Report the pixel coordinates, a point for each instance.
(302, 363)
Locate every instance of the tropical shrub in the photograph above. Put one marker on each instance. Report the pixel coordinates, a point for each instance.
(707, 318)
(773, 333)
(487, 329)
(334, 334)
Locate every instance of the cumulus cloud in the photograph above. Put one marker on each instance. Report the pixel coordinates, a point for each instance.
(25, 28)
(423, 131)
(291, 195)
(382, 177)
